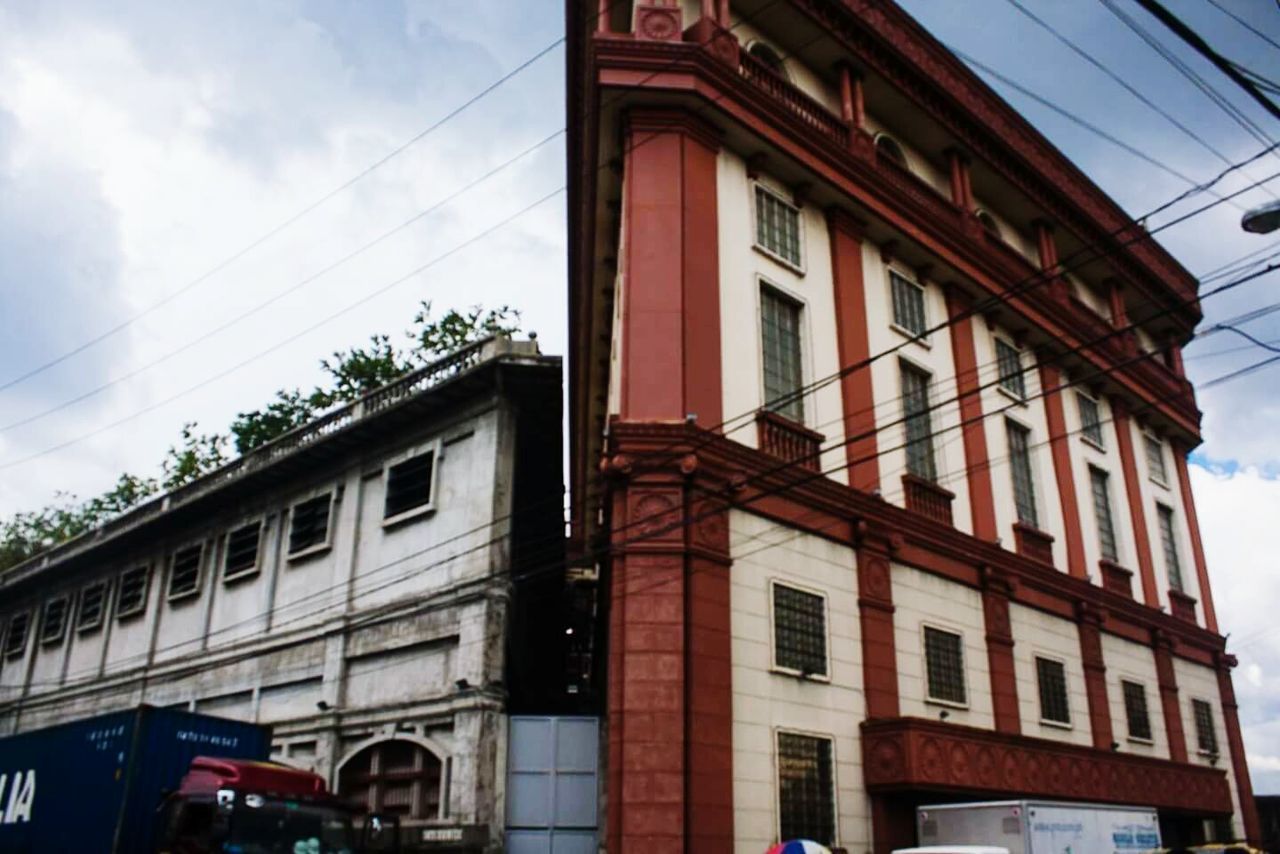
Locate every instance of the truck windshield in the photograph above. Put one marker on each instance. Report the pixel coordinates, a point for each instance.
(289, 827)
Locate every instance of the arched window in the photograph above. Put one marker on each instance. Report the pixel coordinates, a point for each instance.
(889, 147)
(396, 777)
(769, 57)
(989, 223)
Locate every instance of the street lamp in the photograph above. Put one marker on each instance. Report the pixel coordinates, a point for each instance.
(1263, 219)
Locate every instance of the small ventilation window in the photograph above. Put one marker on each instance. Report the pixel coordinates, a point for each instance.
(888, 146)
(53, 622)
(989, 224)
(410, 485)
(242, 551)
(309, 524)
(15, 635)
(132, 599)
(93, 606)
(944, 665)
(184, 572)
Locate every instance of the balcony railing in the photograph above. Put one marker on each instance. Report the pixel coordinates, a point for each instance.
(1033, 543)
(806, 108)
(1116, 578)
(1182, 606)
(927, 498)
(788, 440)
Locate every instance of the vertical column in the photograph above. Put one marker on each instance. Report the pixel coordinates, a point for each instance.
(1133, 492)
(1235, 743)
(854, 349)
(724, 17)
(1167, 680)
(961, 188)
(1059, 441)
(1197, 546)
(1115, 299)
(974, 432)
(875, 619)
(996, 590)
(602, 15)
(1046, 246)
(1089, 623)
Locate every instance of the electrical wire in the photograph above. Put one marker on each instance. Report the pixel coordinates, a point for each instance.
(1242, 22)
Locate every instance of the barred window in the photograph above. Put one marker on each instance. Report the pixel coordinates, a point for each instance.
(132, 598)
(1024, 487)
(799, 630)
(93, 606)
(780, 345)
(53, 620)
(15, 635)
(1100, 483)
(944, 665)
(777, 226)
(1155, 461)
(409, 485)
(889, 147)
(1169, 540)
(1090, 419)
(309, 523)
(918, 421)
(1009, 363)
(806, 788)
(1051, 677)
(184, 572)
(242, 551)
(396, 777)
(908, 304)
(1206, 735)
(1135, 710)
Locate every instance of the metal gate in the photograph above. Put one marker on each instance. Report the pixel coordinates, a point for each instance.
(553, 788)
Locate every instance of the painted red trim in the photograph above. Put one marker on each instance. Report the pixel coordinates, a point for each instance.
(1235, 743)
(1167, 680)
(854, 347)
(1000, 641)
(875, 620)
(1197, 545)
(1055, 414)
(982, 503)
(1089, 625)
(1133, 491)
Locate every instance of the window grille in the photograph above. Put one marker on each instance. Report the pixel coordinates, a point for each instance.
(309, 523)
(918, 421)
(409, 485)
(944, 665)
(15, 636)
(889, 147)
(1102, 512)
(1009, 364)
(1052, 679)
(1135, 710)
(780, 345)
(1206, 735)
(184, 572)
(93, 606)
(1155, 460)
(1090, 420)
(1024, 488)
(806, 788)
(396, 777)
(242, 550)
(53, 622)
(908, 304)
(132, 599)
(777, 226)
(1171, 563)
(799, 630)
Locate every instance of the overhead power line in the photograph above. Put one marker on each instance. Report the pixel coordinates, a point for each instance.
(1242, 22)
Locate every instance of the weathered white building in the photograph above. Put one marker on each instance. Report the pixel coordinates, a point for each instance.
(351, 583)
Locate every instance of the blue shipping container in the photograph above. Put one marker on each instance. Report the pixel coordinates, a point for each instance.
(94, 786)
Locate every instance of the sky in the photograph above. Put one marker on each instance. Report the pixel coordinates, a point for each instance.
(145, 145)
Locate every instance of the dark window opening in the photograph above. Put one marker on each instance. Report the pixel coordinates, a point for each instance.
(409, 485)
(806, 788)
(93, 606)
(1099, 481)
(242, 550)
(184, 572)
(889, 147)
(53, 622)
(944, 665)
(1206, 735)
(908, 304)
(1090, 420)
(1135, 710)
(15, 636)
(396, 777)
(988, 222)
(309, 524)
(800, 630)
(780, 343)
(133, 592)
(918, 422)
(1024, 487)
(768, 57)
(1009, 363)
(1052, 678)
(777, 226)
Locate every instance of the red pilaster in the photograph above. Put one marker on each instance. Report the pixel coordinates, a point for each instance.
(1046, 246)
(725, 19)
(854, 348)
(875, 618)
(1235, 743)
(1115, 297)
(1089, 623)
(1004, 683)
(1060, 442)
(974, 433)
(1167, 679)
(1197, 546)
(602, 15)
(961, 188)
(1133, 491)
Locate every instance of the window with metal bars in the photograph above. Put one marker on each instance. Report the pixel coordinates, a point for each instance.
(777, 226)
(396, 777)
(908, 304)
(1168, 539)
(53, 620)
(242, 551)
(132, 597)
(1135, 710)
(15, 634)
(1090, 420)
(1100, 482)
(1155, 461)
(1009, 365)
(1024, 487)
(1051, 677)
(806, 788)
(780, 347)
(93, 606)
(799, 630)
(184, 572)
(918, 423)
(409, 485)
(1206, 734)
(309, 524)
(944, 665)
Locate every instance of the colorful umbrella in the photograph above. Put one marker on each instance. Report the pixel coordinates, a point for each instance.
(799, 846)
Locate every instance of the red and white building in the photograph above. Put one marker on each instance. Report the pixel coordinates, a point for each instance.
(849, 568)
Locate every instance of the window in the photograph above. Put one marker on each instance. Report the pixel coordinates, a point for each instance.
(780, 345)
(53, 622)
(93, 606)
(988, 222)
(1135, 710)
(309, 524)
(132, 599)
(1090, 420)
(1024, 488)
(918, 422)
(888, 146)
(1155, 461)
(410, 485)
(15, 635)
(799, 631)
(1102, 513)
(1009, 363)
(242, 551)
(944, 665)
(184, 572)
(908, 305)
(1051, 677)
(1206, 735)
(769, 57)
(806, 788)
(1171, 565)
(396, 777)
(777, 226)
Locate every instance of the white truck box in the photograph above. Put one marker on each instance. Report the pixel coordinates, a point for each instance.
(1041, 827)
